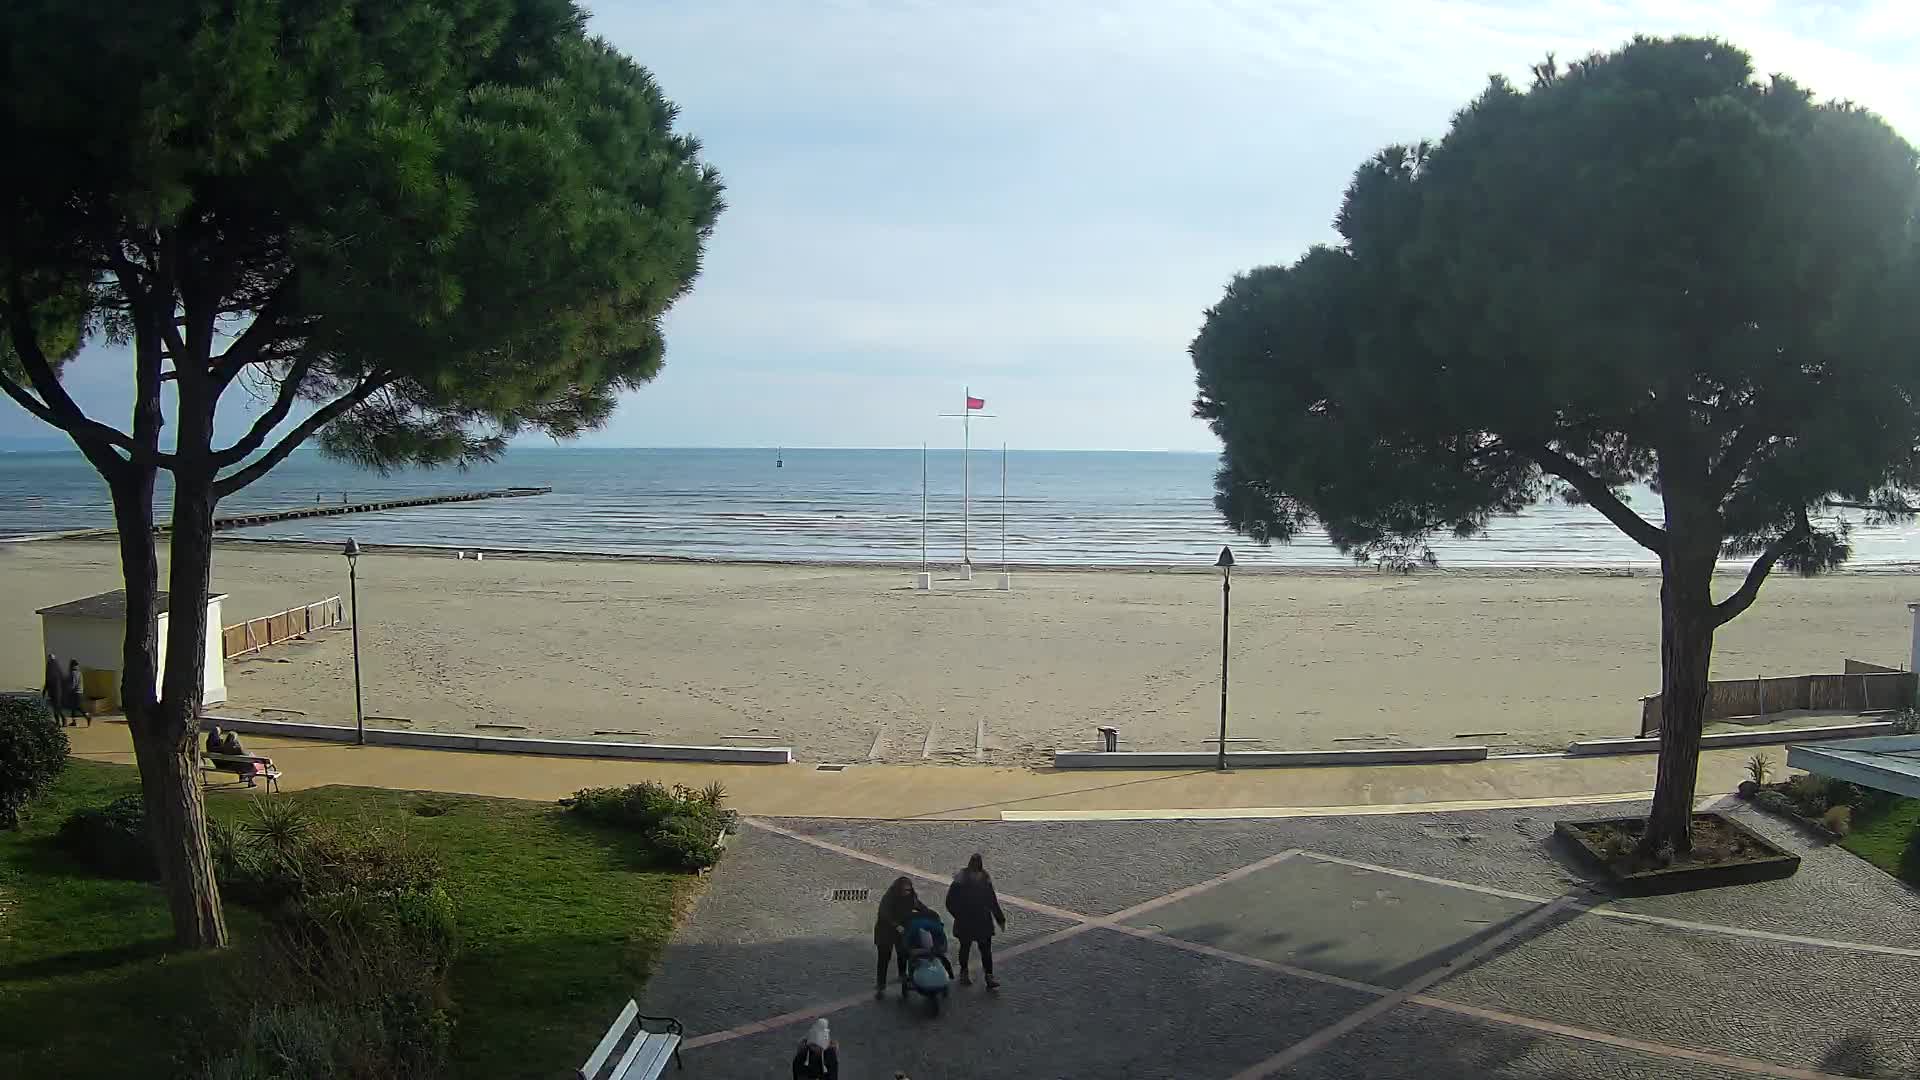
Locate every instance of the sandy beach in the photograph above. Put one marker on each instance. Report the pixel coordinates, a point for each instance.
(850, 664)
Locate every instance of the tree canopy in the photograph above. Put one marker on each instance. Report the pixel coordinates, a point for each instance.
(409, 228)
(1647, 267)
(436, 222)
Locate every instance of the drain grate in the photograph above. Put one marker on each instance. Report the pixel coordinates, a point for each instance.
(848, 894)
(829, 768)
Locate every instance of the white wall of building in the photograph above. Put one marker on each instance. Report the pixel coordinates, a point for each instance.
(97, 643)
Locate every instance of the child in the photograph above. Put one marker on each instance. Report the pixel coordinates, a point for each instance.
(819, 1056)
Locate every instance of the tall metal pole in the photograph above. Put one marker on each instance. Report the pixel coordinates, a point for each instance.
(1226, 615)
(966, 478)
(1003, 508)
(923, 506)
(1225, 563)
(359, 715)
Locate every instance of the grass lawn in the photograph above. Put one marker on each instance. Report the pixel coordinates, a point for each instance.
(560, 923)
(1882, 837)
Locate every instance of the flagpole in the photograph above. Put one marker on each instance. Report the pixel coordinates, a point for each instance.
(966, 477)
(1003, 509)
(923, 506)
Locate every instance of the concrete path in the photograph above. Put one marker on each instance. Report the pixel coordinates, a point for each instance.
(975, 792)
(1421, 946)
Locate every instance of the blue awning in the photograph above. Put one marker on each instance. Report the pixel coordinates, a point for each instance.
(1887, 762)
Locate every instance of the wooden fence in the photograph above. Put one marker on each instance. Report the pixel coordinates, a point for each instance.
(1864, 688)
(256, 634)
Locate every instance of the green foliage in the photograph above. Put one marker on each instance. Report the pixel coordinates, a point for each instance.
(419, 226)
(33, 750)
(1632, 271)
(1810, 795)
(679, 827)
(686, 841)
(111, 839)
(1776, 802)
(1887, 835)
(1906, 721)
(471, 204)
(1760, 767)
(557, 928)
(1635, 271)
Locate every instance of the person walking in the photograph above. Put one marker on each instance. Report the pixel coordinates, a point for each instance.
(897, 905)
(975, 908)
(56, 689)
(76, 695)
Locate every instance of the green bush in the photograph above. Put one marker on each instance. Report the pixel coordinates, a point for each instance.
(111, 839)
(350, 981)
(1810, 794)
(33, 750)
(678, 827)
(1775, 802)
(686, 841)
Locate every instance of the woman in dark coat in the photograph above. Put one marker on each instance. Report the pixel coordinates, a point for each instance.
(56, 689)
(899, 904)
(975, 908)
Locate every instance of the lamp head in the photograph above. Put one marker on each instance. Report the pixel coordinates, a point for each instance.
(1225, 561)
(352, 550)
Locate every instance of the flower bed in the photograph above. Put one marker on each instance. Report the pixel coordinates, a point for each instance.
(1725, 852)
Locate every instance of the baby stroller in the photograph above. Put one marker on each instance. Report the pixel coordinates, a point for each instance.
(929, 972)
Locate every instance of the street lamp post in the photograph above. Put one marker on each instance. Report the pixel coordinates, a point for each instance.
(353, 592)
(1225, 563)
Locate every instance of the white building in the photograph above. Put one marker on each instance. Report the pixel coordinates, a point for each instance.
(93, 632)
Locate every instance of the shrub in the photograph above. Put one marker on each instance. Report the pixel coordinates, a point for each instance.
(33, 750)
(1810, 794)
(1775, 802)
(349, 981)
(111, 839)
(1760, 767)
(1906, 721)
(1838, 820)
(678, 827)
(686, 841)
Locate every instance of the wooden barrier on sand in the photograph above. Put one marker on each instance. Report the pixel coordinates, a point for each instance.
(1863, 688)
(256, 634)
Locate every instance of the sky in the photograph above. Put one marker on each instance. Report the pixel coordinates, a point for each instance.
(1038, 201)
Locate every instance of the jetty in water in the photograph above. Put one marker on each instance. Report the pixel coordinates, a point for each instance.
(268, 517)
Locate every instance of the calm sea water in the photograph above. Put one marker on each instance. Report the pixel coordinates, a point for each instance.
(840, 505)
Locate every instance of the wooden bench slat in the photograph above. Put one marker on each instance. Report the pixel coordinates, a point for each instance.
(649, 1055)
(591, 1070)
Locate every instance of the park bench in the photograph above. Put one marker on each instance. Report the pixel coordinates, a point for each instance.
(643, 1053)
(232, 763)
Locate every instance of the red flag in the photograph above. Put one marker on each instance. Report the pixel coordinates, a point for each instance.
(976, 402)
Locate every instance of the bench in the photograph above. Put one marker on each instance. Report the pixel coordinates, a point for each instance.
(643, 1053)
(231, 763)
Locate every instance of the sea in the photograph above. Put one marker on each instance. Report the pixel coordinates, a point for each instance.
(1050, 508)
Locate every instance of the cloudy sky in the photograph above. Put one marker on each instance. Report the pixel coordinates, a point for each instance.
(1039, 200)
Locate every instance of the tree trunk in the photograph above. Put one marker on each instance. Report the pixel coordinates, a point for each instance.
(1686, 658)
(176, 813)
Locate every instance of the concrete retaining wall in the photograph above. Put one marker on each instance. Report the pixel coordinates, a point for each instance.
(1202, 759)
(443, 740)
(1591, 747)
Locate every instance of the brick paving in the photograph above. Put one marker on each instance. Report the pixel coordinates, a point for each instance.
(1424, 946)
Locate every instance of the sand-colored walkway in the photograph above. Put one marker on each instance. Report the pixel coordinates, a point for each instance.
(967, 792)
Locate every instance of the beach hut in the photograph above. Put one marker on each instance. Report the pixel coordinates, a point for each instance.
(92, 631)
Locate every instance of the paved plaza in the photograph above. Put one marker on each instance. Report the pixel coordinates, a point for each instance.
(1414, 945)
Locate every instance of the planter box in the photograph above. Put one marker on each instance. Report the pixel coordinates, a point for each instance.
(1765, 860)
